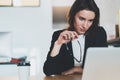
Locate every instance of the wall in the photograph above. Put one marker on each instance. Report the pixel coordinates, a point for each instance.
(108, 19)
(32, 29)
(117, 9)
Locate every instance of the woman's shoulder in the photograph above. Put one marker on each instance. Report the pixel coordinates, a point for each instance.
(97, 31)
(100, 29)
(57, 32)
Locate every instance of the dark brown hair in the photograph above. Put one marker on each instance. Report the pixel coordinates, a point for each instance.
(79, 5)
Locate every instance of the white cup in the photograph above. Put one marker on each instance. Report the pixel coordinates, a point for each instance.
(23, 71)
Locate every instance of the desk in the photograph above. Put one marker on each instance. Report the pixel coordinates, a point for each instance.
(57, 77)
(61, 77)
(114, 42)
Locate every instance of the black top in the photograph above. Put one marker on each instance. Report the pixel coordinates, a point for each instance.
(64, 60)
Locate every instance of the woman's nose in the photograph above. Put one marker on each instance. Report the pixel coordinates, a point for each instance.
(85, 24)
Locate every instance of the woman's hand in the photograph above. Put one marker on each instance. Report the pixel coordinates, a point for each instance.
(64, 37)
(74, 70)
(67, 36)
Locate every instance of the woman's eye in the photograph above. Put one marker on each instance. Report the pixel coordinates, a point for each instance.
(90, 20)
(81, 19)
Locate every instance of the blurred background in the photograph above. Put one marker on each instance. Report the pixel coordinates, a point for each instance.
(31, 26)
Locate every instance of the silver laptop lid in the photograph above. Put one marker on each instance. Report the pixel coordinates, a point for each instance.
(102, 64)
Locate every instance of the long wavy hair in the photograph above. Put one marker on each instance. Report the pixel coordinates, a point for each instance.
(79, 5)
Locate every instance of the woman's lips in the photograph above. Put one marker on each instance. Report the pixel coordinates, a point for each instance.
(83, 30)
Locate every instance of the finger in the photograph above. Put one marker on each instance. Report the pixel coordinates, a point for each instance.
(66, 36)
(69, 35)
(74, 35)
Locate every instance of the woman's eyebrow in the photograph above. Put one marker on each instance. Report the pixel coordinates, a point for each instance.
(85, 18)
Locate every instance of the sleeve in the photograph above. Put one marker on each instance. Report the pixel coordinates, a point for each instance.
(101, 37)
(52, 65)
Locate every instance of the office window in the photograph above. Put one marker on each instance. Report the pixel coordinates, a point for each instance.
(19, 3)
(60, 12)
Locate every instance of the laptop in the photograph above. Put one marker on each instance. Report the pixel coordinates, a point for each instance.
(102, 64)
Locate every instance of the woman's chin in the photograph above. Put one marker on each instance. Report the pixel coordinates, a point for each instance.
(81, 33)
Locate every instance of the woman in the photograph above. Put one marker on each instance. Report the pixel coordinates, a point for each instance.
(68, 47)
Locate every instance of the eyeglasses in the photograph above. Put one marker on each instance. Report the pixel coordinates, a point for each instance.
(80, 52)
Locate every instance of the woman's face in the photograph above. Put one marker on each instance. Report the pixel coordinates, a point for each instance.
(83, 21)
